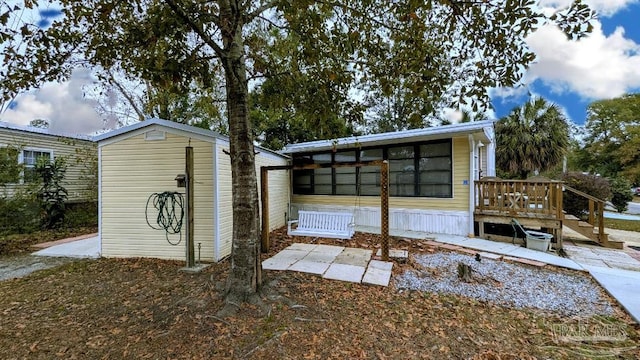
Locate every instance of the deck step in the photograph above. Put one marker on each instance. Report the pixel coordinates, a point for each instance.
(584, 224)
(570, 217)
(615, 244)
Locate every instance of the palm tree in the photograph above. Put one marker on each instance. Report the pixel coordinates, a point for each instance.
(533, 137)
(468, 116)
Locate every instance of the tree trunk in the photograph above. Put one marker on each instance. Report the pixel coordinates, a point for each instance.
(464, 272)
(245, 276)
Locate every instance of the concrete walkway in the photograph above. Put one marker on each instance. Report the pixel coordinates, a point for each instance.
(84, 248)
(481, 245)
(612, 269)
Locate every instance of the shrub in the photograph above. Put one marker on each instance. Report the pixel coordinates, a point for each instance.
(19, 214)
(52, 194)
(620, 193)
(83, 214)
(593, 185)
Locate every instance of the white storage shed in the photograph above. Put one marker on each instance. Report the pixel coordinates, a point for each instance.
(142, 159)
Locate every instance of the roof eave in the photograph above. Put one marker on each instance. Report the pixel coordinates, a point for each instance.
(46, 132)
(432, 133)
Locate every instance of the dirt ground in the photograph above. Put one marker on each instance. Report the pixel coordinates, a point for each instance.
(147, 309)
(17, 266)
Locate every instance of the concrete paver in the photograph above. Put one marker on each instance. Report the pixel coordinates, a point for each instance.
(302, 246)
(332, 262)
(329, 249)
(597, 256)
(395, 253)
(611, 268)
(378, 273)
(354, 256)
(312, 267)
(284, 259)
(320, 256)
(345, 272)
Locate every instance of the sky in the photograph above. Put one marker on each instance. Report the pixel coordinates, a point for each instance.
(571, 74)
(64, 104)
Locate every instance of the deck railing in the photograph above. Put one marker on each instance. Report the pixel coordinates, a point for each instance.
(537, 197)
(596, 210)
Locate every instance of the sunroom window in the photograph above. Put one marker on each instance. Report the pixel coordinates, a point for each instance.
(415, 170)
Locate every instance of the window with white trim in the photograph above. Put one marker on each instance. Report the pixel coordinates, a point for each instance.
(29, 160)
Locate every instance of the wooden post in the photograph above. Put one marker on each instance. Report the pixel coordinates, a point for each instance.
(190, 214)
(559, 215)
(384, 209)
(264, 201)
(602, 238)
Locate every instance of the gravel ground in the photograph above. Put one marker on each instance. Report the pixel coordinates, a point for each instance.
(507, 284)
(23, 265)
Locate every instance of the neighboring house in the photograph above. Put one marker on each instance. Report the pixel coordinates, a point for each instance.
(431, 176)
(142, 159)
(24, 145)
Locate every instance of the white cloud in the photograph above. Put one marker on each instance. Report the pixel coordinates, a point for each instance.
(595, 67)
(63, 104)
(602, 7)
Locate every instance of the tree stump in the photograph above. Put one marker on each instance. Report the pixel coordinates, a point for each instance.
(464, 272)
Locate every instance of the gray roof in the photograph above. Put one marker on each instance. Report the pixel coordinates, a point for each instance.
(161, 122)
(483, 128)
(35, 130)
(171, 125)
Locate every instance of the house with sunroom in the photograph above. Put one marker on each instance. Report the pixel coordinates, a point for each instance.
(25, 145)
(431, 176)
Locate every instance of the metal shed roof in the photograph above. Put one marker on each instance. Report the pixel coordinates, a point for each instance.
(35, 130)
(203, 133)
(483, 130)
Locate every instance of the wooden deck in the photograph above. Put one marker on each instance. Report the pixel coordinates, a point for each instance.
(535, 202)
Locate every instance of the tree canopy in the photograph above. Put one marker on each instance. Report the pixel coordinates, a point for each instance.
(613, 138)
(435, 50)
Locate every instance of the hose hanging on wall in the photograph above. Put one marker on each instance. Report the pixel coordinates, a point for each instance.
(170, 207)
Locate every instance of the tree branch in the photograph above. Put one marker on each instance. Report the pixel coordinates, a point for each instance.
(259, 10)
(197, 28)
(126, 95)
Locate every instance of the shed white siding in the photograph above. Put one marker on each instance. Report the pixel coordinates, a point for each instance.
(278, 189)
(145, 158)
(278, 194)
(134, 168)
(224, 220)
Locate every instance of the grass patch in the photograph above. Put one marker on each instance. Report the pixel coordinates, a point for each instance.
(629, 225)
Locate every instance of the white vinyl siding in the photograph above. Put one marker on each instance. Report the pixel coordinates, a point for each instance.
(224, 229)
(74, 180)
(278, 194)
(131, 170)
(138, 162)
